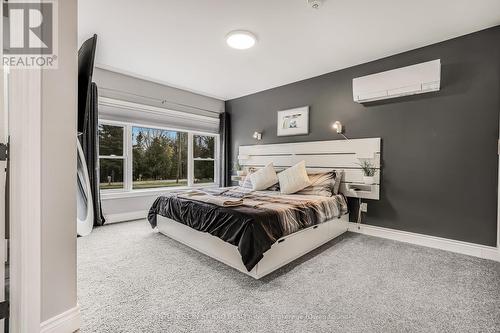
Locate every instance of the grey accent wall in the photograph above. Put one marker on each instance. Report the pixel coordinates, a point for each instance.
(439, 150)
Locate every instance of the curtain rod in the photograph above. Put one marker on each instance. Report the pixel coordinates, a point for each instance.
(162, 101)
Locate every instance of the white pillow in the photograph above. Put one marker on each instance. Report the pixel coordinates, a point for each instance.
(264, 178)
(294, 178)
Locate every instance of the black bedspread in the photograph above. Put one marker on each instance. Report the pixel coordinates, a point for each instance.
(244, 227)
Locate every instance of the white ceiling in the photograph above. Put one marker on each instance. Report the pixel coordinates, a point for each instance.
(181, 43)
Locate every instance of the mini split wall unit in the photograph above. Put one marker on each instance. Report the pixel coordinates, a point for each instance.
(411, 80)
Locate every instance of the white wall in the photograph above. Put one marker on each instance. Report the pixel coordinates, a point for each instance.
(58, 208)
(124, 87)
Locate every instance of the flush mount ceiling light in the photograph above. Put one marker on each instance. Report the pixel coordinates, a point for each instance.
(241, 39)
(315, 4)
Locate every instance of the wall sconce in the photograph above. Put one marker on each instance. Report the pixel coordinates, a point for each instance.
(339, 128)
(257, 136)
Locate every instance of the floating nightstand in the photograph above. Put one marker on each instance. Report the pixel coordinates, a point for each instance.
(363, 191)
(239, 179)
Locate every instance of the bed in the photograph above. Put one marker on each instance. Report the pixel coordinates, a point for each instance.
(257, 232)
(263, 225)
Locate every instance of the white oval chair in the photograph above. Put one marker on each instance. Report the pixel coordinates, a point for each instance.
(85, 208)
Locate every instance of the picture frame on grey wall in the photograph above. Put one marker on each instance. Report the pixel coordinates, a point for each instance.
(293, 121)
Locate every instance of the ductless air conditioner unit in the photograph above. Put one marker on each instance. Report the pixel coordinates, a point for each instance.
(410, 80)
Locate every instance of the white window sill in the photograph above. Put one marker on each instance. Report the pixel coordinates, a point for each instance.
(109, 195)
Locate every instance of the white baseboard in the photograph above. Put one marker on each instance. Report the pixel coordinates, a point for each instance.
(66, 322)
(471, 249)
(129, 216)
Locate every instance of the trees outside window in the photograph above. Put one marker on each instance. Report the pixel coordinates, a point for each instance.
(133, 157)
(159, 158)
(111, 159)
(204, 159)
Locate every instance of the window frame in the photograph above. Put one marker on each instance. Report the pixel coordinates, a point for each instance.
(216, 142)
(128, 156)
(123, 157)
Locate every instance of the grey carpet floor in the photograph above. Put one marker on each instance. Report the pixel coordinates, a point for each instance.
(131, 279)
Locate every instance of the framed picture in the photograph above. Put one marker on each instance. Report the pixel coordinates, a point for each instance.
(293, 121)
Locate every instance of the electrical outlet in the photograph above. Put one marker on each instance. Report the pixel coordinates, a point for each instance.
(364, 207)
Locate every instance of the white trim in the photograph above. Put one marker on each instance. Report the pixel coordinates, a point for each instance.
(25, 199)
(128, 177)
(112, 195)
(476, 250)
(129, 216)
(190, 166)
(111, 157)
(148, 109)
(66, 322)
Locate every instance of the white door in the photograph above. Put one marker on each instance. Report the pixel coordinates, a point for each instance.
(3, 177)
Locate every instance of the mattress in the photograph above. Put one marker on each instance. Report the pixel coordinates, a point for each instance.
(250, 220)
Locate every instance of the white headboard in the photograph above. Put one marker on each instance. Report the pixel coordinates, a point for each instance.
(323, 155)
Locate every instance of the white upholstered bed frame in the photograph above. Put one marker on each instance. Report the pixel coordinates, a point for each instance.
(319, 155)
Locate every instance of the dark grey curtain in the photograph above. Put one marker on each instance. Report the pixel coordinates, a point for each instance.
(224, 131)
(90, 149)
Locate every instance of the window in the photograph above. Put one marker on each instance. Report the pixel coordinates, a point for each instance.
(135, 157)
(204, 159)
(111, 158)
(159, 158)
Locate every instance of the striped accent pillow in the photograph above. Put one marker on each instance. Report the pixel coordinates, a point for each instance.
(247, 183)
(325, 184)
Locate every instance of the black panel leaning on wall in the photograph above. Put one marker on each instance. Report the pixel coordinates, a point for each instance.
(439, 149)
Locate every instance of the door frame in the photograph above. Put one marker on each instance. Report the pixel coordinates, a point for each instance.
(25, 155)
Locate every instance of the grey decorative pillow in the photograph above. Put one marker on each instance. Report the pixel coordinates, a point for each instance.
(325, 184)
(339, 174)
